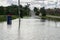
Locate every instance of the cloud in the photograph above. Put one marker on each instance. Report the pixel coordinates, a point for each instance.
(10, 1)
(3, 3)
(48, 3)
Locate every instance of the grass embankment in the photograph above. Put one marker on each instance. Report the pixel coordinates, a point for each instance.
(4, 17)
(50, 17)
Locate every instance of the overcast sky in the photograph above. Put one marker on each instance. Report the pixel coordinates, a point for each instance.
(37, 3)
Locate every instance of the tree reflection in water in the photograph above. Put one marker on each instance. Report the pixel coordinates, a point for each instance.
(43, 19)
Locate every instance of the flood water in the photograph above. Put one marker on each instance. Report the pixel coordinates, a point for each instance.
(30, 29)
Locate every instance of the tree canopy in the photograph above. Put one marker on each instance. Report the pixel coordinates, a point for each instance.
(13, 9)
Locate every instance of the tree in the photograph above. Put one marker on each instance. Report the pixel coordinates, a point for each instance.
(21, 11)
(36, 10)
(1, 10)
(43, 11)
(13, 9)
(26, 10)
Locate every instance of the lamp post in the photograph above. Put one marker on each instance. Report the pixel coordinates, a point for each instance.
(19, 11)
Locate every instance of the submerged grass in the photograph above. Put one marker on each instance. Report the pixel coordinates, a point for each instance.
(51, 18)
(4, 17)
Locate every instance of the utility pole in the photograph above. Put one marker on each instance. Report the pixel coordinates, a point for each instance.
(19, 11)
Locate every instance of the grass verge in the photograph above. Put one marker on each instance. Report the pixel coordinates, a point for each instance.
(4, 17)
(51, 18)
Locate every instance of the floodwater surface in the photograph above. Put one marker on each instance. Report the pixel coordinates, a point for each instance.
(30, 29)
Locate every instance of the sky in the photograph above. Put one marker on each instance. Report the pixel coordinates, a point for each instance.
(33, 3)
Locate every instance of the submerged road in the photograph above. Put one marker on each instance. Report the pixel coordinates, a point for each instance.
(30, 29)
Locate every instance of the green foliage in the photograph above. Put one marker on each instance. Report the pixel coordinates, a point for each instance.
(36, 10)
(13, 9)
(26, 10)
(4, 17)
(1, 10)
(43, 11)
(55, 11)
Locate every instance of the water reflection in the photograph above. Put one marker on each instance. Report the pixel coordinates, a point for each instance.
(18, 34)
(43, 19)
(30, 29)
(9, 26)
